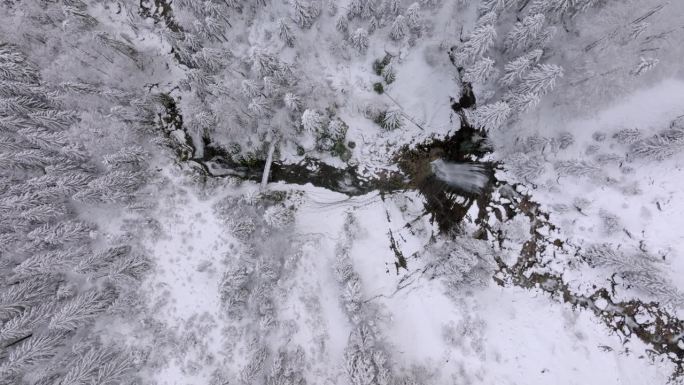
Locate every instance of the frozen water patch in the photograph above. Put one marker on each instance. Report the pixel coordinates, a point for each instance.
(469, 177)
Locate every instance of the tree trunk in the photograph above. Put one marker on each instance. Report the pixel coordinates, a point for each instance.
(267, 167)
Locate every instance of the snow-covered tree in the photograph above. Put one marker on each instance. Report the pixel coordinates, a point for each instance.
(359, 40)
(279, 216)
(17, 71)
(25, 294)
(637, 30)
(313, 121)
(479, 41)
(342, 25)
(355, 8)
(523, 102)
(399, 28)
(364, 9)
(260, 107)
(565, 140)
(30, 352)
(352, 296)
(271, 87)
(292, 102)
(249, 88)
(517, 68)
(23, 105)
(461, 262)
(525, 167)
(96, 262)
(495, 6)
(133, 157)
(392, 7)
(413, 18)
(627, 135)
(491, 116)
(332, 7)
(365, 363)
(540, 80)
(25, 323)
(255, 364)
(525, 33)
(81, 309)
(211, 29)
(285, 33)
(610, 222)
(603, 255)
(304, 13)
(234, 288)
(429, 3)
(287, 368)
(61, 233)
(557, 9)
(373, 25)
(115, 186)
(578, 168)
(393, 119)
(389, 74)
(645, 65)
(49, 261)
(337, 129)
(489, 18)
(658, 147)
(97, 364)
(639, 269)
(44, 237)
(210, 59)
(265, 63)
(480, 71)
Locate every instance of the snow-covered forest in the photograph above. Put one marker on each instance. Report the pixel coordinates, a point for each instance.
(361, 192)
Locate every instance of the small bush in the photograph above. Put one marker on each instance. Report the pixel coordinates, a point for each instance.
(379, 65)
(389, 75)
(340, 150)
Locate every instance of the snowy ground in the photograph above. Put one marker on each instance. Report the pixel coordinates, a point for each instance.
(478, 336)
(297, 307)
(183, 318)
(641, 194)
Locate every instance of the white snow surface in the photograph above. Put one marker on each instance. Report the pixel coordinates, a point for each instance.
(644, 195)
(489, 335)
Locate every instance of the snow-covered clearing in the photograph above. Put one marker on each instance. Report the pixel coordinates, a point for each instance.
(477, 336)
(183, 289)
